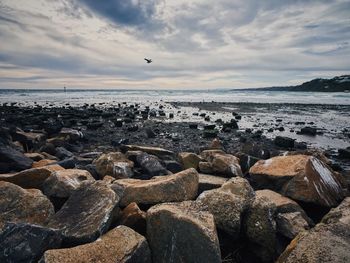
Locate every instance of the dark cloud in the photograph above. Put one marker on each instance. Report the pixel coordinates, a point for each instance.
(125, 12)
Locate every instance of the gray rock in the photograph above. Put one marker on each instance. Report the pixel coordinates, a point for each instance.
(150, 164)
(26, 243)
(14, 160)
(181, 232)
(87, 213)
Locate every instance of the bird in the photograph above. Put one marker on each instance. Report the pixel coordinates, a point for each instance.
(148, 60)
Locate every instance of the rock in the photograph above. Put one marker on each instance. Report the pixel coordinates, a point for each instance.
(205, 167)
(63, 153)
(308, 131)
(61, 183)
(323, 243)
(73, 135)
(291, 219)
(48, 148)
(35, 156)
(344, 153)
(159, 152)
(209, 182)
(132, 216)
(284, 142)
(130, 247)
(173, 166)
(216, 144)
(226, 165)
(20, 205)
(246, 161)
(14, 160)
(29, 140)
(300, 177)
(240, 187)
(171, 188)
(208, 134)
(189, 160)
(340, 214)
(260, 229)
(208, 154)
(87, 213)
(31, 178)
(114, 164)
(26, 243)
(291, 224)
(226, 207)
(150, 164)
(181, 232)
(43, 163)
(150, 133)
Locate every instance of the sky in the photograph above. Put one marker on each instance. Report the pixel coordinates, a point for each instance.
(194, 44)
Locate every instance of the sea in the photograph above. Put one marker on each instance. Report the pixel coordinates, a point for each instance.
(80, 97)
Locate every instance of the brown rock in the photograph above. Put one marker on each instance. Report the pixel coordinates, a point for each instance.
(114, 164)
(300, 177)
(226, 164)
(172, 188)
(205, 167)
(31, 178)
(20, 205)
(120, 244)
(133, 217)
(189, 160)
(216, 144)
(329, 241)
(62, 183)
(181, 232)
(209, 182)
(208, 154)
(42, 163)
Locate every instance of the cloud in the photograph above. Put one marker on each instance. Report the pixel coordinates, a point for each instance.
(197, 43)
(125, 12)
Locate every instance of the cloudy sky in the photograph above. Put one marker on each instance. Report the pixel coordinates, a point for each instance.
(193, 43)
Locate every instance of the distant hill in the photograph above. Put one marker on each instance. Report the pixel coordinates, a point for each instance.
(336, 84)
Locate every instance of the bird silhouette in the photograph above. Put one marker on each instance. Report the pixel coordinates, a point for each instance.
(148, 60)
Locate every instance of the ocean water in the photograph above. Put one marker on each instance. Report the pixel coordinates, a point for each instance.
(80, 97)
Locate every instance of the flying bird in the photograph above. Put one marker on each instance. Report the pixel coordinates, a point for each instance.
(148, 60)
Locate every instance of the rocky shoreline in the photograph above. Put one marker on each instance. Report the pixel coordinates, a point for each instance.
(150, 183)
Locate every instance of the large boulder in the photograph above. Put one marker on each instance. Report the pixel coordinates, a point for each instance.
(13, 160)
(260, 229)
(171, 188)
(182, 232)
(329, 241)
(31, 178)
(120, 244)
(300, 177)
(87, 213)
(23, 242)
(189, 160)
(291, 218)
(114, 164)
(323, 243)
(226, 206)
(20, 205)
(61, 183)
